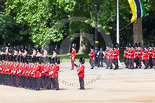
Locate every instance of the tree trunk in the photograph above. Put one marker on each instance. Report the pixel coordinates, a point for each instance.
(137, 31)
(84, 44)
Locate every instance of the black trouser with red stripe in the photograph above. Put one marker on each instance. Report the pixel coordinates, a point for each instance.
(42, 82)
(150, 62)
(131, 63)
(55, 83)
(48, 85)
(146, 62)
(36, 83)
(91, 63)
(138, 62)
(115, 62)
(110, 63)
(81, 81)
(153, 61)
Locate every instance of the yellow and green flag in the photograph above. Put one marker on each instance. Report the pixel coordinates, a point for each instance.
(137, 9)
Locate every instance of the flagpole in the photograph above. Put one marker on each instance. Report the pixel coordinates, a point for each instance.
(117, 34)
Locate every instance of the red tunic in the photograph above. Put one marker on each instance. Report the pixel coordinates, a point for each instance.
(153, 55)
(92, 55)
(81, 71)
(73, 54)
(136, 53)
(52, 70)
(150, 52)
(132, 54)
(42, 68)
(48, 70)
(1, 68)
(55, 72)
(37, 71)
(117, 53)
(126, 54)
(140, 53)
(145, 55)
(110, 56)
(106, 55)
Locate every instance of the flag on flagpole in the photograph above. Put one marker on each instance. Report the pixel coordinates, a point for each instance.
(137, 9)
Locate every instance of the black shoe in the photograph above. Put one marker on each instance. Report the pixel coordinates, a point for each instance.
(92, 67)
(72, 69)
(81, 89)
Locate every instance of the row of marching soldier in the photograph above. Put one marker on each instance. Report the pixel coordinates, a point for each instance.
(134, 55)
(110, 56)
(31, 72)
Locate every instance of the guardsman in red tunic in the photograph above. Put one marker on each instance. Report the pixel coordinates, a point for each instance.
(42, 80)
(25, 69)
(37, 75)
(140, 52)
(145, 57)
(92, 57)
(115, 56)
(1, 72)
(48, 84)
(73, 56)
(153, 56)
(19, 73)
(51, 73)
(106, 56)
(55, 75)
(126, 56)
(30, 78)
(81, 73)
(150, 55)
(22, 74)
(110, 57)
(136, 55)
(131, 57)
(16, 75)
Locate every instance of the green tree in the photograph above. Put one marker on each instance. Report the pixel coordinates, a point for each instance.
(9, 29)
(41, 15)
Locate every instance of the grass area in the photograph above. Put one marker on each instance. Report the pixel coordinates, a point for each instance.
(66, 58)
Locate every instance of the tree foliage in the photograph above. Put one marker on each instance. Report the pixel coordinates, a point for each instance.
(9, 29)
(40, 16)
